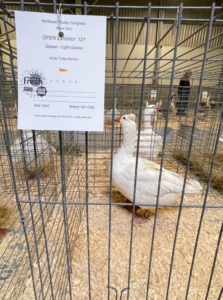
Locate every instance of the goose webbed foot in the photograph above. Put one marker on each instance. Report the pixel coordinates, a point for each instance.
(138, 219)
(141, 219)
(130, 207)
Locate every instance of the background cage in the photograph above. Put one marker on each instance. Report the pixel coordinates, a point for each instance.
(68, 237)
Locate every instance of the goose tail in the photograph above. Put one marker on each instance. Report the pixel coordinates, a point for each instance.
(192, 186)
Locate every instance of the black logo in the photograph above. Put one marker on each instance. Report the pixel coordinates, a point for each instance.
(41, 91)
(33, 83)
(34, 80)
(28, 89)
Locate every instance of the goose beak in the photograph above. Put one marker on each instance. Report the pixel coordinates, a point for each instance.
(117, 119)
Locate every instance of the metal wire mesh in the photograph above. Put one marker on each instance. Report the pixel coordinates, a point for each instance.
(56, 186)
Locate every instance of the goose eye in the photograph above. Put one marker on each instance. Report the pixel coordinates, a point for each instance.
(124, 118)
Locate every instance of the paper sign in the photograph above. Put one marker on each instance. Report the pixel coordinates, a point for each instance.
(60, 79)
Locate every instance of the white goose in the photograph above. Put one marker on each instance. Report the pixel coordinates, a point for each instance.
(43, 150)
(108, 114)
(204, 107)
(147, 176)
(163, 111)
(159, 104)
(150, 142)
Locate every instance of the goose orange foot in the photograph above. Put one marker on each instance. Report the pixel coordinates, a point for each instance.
(32, 176)
(141, 219)
(3, 232)
(138, 219)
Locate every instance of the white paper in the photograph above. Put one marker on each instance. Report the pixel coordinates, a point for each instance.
(60, 81)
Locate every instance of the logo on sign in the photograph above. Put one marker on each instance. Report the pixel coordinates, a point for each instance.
(33, 81)
(28, 89)
(41, 91)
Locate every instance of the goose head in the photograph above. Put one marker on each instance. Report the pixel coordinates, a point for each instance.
(173, 96)
(148, 115)
(127, 121)
(129, 132)
(159, 104)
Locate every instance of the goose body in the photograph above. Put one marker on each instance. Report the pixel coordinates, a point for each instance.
(43, 150)
(147, 182)
(150, 142)
(147, 175)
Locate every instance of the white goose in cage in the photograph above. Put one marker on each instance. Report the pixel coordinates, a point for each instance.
(123, 175)
(43, 154)
(204, 107)
(150, 142)
(163, 111)
(108, 114)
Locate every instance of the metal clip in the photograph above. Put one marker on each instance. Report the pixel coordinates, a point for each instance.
(59, 13)
(22, 220)
(39, 7)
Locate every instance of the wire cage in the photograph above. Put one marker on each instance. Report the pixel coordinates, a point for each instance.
(64, 231)
(34, 166)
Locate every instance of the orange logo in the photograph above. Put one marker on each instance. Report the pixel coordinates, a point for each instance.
(62, 70)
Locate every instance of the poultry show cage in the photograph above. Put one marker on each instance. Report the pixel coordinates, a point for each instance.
(64, 234)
